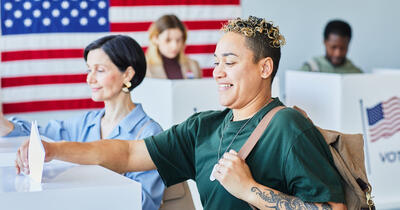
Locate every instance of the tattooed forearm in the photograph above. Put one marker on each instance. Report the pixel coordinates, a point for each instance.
(282, 201)
(326, 206)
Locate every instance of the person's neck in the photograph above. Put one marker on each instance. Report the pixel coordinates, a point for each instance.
(118, 108)
(251, 108)
(170, 59)
(336, 65)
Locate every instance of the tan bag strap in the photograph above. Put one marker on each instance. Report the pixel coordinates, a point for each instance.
(255, 136)
(313, 65)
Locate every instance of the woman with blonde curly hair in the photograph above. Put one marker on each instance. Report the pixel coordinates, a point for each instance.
(290, 167)
(165, 55)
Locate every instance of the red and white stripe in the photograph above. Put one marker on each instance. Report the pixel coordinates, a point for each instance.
(45, 72)
(390, 124)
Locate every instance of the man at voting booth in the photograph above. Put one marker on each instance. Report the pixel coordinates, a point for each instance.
(337, 36)
(290, 167)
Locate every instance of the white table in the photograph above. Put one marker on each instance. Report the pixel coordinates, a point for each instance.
(64, 186)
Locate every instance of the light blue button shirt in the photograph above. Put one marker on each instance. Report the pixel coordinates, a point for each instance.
(86, 128)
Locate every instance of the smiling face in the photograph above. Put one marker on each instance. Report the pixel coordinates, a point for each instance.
(240, 81)
(104, 77)
(170, 42)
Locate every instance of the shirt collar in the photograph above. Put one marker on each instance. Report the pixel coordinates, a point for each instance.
(97, 118)
(258, 116)
(126, 124)
(131, 120)
(345, 64)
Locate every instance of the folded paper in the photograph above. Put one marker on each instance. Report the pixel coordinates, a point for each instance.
(36, 155)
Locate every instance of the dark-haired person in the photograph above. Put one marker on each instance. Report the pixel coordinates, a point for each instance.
(116, 65)
(165, 55)
(337, 36)
(290, 167)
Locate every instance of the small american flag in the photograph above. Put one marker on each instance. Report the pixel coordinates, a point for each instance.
(42, 41)
(384, 119)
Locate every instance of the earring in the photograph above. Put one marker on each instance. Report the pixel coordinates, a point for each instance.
(127, 86)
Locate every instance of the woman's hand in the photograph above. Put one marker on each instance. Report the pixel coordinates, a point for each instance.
(234, 175)
(22, 163)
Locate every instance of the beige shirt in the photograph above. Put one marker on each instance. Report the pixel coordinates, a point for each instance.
(190, 70)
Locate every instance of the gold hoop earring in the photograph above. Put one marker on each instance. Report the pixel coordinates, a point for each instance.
(127, 86)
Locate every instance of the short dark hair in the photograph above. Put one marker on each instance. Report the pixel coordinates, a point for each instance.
(262, 37)
(123, 52)
(338, 27)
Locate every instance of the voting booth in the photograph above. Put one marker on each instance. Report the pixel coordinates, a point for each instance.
(340, 102)
(170, 102)
(64, 185)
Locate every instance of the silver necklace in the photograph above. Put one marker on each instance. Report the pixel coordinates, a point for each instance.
(230, 144)
(212, 178)
(241, 128)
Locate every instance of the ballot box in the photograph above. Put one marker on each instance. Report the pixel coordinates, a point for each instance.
(64, 186)
(8, 149)
(340, 102)
(171, 102)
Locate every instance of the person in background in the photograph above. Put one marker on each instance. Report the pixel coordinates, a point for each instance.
(165, 55)
(116, 65)
(337, 36)
(290, 167)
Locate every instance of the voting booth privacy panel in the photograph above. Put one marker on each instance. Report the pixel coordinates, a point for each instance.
(358, 103)
(170, 102)
(386, 71)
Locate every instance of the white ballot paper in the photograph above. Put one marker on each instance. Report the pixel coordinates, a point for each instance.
(36, 154)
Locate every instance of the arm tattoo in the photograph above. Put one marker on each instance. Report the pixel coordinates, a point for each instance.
(282, 201)
(326, 206)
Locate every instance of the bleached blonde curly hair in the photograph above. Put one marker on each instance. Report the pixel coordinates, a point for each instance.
(262, 37)
(254, 26)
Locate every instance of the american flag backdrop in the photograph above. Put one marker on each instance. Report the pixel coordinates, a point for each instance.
(41, 43)
(384, 119)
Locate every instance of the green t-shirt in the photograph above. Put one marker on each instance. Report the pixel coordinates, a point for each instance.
(291, 156)
(321, 64)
